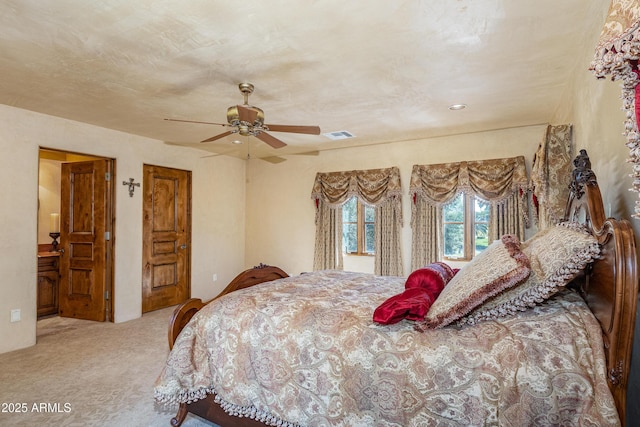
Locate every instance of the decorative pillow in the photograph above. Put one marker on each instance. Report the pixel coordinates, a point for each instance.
(500, 266)
(431, 276)
(557, 256)
(422, 287)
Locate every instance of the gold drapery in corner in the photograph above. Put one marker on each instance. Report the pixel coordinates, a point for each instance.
(551, 175)
(616, 55)
(376, 187)
(502, 182)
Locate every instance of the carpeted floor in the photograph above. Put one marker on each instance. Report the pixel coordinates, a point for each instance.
(83, 373)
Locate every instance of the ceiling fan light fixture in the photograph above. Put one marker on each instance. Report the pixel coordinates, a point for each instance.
(244, 129)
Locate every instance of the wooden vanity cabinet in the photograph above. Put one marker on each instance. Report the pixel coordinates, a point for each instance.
(48, 282)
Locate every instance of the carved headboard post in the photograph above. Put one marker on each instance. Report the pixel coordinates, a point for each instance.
(591, 206)
(610, 284)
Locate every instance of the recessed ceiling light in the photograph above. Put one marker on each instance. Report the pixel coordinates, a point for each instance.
(457, 106)
(236, 141)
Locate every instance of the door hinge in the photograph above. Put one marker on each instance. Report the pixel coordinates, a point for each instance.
(107, 176)
(107, 235)
(106, 295)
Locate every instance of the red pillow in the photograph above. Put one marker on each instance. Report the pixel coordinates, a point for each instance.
(431, 277)
(422, 287)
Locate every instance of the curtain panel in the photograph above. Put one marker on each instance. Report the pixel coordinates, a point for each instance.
(616, 55)
(551, 175)
(380, 188)
(502, 182)
(328, 247)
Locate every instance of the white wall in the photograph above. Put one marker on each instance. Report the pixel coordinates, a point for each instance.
(280, 213)
(218, 213)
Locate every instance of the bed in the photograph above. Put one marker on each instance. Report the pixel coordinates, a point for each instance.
(304, 350)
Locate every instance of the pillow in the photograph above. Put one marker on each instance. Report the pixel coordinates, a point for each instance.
(422, 287)
(557, 255)
(430, 276)
(500, 266)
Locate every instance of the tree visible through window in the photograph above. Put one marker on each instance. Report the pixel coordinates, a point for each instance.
(465, 227)
(358, 235)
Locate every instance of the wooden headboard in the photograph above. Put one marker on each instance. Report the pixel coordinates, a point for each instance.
(610, 285)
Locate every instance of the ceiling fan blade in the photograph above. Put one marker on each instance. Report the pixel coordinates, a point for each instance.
(278, 159)
(222, 135)
(246, 114)
(271, 140)
(273, 159)
(311, 130)
(195, 121)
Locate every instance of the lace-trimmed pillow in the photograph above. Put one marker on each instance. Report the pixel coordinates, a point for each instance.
(499, 267)
(557, 255)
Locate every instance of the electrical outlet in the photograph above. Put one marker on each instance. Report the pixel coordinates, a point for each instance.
(15, 315)
(215, 277)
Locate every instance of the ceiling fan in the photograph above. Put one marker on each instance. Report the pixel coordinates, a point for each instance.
(248, 120)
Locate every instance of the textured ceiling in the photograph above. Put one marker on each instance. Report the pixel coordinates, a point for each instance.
(382, 70)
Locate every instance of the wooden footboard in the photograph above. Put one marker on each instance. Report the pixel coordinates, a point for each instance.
(181, 317)
(207, 408)
(253, 276)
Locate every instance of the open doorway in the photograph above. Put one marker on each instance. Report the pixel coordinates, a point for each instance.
(75, 235)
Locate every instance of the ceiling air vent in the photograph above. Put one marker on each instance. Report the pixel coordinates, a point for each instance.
(341, 134)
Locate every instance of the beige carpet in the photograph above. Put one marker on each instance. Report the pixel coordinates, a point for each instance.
(83, 373)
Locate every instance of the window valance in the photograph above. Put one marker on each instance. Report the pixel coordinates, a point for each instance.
(502, 182)
(494, 180)
(373, 186)
(377, 187)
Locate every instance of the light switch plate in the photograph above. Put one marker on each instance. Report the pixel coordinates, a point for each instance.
(15, 315)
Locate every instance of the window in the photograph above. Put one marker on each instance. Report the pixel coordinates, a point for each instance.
(465, 226)
(358, 228)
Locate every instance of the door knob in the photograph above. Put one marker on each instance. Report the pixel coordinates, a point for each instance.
(183, 246)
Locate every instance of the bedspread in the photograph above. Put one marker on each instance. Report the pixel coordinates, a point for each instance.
(304, 350)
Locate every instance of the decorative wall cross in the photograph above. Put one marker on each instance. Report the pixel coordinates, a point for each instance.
(131, 185)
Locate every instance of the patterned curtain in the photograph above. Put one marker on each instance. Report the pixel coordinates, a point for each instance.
(380, 188)
(328, 250)
(426, 223)
(551, 175)
(502, 182)
(616, 55)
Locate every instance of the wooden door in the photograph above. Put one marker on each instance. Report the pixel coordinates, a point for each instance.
(166, 231)
(85, 233)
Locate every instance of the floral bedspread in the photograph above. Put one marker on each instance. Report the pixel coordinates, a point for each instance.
(305, 351)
